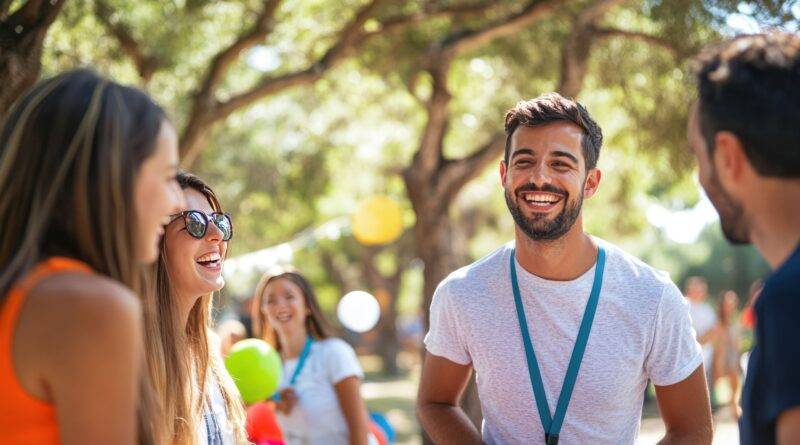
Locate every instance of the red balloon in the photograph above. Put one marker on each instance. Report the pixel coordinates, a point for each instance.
(261, 424)
(377, 431)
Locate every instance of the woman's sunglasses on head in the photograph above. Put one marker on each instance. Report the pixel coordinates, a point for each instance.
(197, 223)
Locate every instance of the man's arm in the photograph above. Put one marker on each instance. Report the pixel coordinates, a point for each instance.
(686, 410)
(787, 430)
(440, 388)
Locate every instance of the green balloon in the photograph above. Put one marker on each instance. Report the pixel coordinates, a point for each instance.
(256, 368)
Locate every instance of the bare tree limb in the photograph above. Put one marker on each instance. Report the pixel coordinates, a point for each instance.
(30, 11)
(400, 22)
(428, 157)
(35, 14)
(639, 36)
(208, 110)
(22, 36)
(222, 61)
(468, 40)
(576, 51)
(5, 7)
(146, 65)
(335, 272)
(455, 174)
(348, 40)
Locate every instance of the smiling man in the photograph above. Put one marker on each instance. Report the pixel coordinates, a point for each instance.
(562, 329)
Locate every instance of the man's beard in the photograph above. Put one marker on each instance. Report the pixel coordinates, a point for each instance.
(539, 228)
(731, 213)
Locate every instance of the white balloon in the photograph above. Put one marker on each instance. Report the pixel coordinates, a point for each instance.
(358, 311)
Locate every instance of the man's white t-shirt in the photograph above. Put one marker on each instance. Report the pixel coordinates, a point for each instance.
(703, 319)
(641, 331)
(317, 418)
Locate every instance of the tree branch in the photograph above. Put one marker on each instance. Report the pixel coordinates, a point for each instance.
(30, 11)
(468, 40)
(5, 8)
(335, 273)
(400, 22)
(429, 156)
(146, 65)
(349, 39)
(639, 36)
(223, 60)
(457, 173)
(208, 110)
(576, 50)
(34, 14)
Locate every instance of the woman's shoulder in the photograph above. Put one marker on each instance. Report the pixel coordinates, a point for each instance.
(74, 322)
(72, 299)
(340, 359)
(334, 345)
(336, 351)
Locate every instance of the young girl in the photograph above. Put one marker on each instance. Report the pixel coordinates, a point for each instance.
(201, 403)
(87, 173)
(320, 402)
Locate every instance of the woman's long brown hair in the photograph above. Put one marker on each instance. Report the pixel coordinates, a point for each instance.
(179, 362)
(70, 152)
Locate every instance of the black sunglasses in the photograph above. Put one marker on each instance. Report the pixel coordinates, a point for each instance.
(197, 223)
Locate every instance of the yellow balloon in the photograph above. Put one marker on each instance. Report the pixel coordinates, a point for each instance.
(378, 220)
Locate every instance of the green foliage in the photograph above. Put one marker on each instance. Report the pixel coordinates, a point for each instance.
(310, 154)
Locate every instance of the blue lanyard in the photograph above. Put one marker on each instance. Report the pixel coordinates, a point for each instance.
(302, 360)
(552, 426)
(300, 363)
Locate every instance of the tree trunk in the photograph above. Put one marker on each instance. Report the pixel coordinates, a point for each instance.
(21, 39)
(385, 289)
(388, 343)
(435, 247)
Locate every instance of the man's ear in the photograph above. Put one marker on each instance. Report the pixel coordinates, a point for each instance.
(730, 160)
(591, 183)
(503, 173)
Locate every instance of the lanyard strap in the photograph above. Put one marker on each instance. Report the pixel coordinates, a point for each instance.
(552, 426)
(300, 363)
(302, 360)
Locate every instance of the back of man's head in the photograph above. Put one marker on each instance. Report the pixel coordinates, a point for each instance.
(750, 86)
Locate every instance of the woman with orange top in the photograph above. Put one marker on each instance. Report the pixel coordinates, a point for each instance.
(87, 173)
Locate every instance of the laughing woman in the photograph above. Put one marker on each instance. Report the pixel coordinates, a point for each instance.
(201, 403)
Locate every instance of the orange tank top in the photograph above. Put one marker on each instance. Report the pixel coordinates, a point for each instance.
(25, 419)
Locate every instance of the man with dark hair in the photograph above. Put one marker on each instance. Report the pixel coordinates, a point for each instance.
(745, 132)
(562, 329)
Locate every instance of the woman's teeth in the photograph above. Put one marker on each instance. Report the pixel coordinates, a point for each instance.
(210, 260)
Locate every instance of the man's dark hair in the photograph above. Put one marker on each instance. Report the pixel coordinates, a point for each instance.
(750, 86)
(552, 107)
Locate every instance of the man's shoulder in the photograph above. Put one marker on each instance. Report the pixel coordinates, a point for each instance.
(780, 298)
(785, 280)
(482, 272)
(627, 266)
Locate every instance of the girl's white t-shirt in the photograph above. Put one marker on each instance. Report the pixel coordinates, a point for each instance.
(317, 417)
